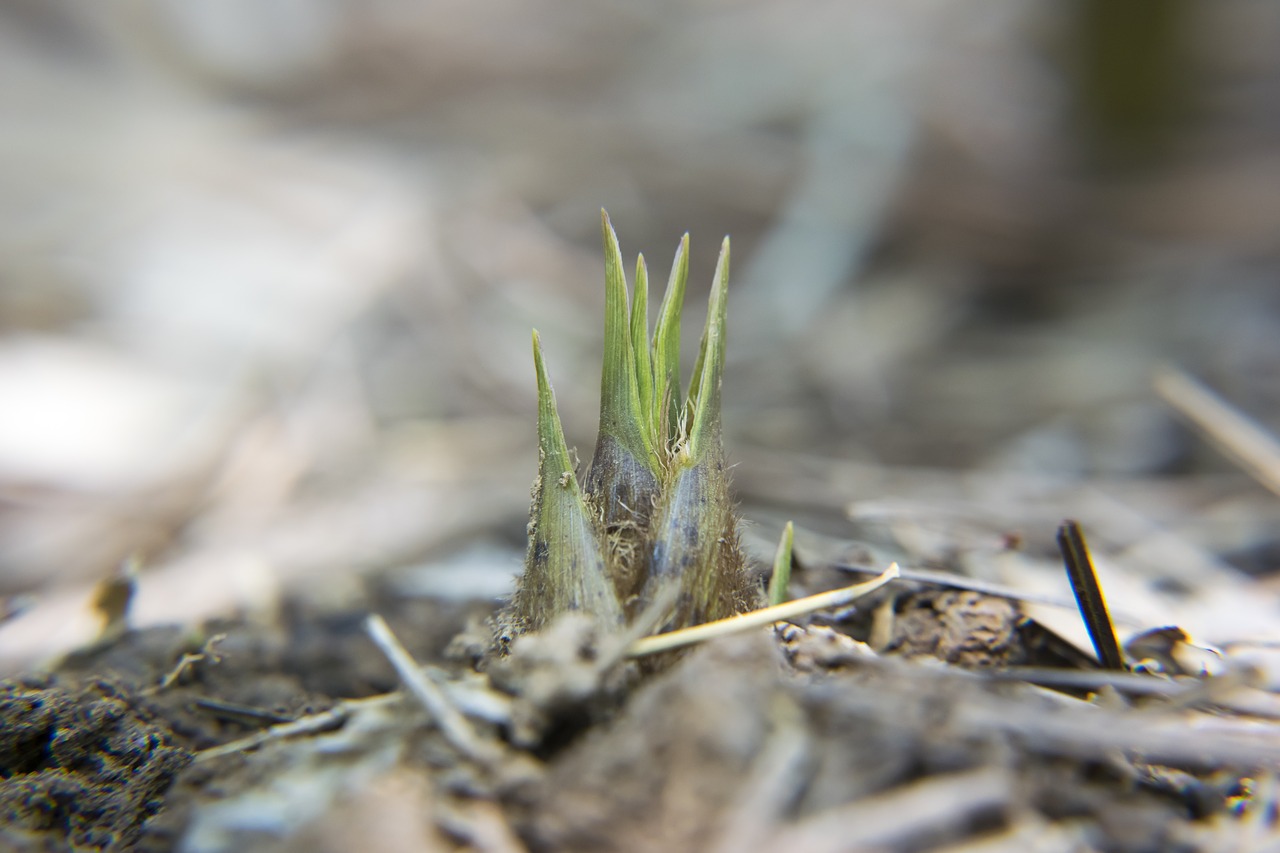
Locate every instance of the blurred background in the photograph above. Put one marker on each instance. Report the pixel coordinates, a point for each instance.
(268, 271)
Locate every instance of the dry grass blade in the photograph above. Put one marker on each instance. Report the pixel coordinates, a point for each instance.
(894, 817)
(1028, 836)
(189, 659)
(1234, 433)
(237, 712)
(778, 773)
(1075, 730)
(950, 580)
(619, 646)
(1205, 743)
(323, 721)
(331, 718)
(455, 727)
(759, 618)
(1126, 683)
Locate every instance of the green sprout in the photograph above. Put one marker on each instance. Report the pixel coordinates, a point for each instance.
(653, 511)
(781, 577)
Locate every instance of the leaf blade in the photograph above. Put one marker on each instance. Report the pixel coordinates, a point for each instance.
(666, 345)
(704, 397)
(640, 347)
(565, 564)
(620, 413)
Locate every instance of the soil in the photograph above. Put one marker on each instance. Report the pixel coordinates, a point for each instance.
(84, 766)
(788, 738)
(97, 753)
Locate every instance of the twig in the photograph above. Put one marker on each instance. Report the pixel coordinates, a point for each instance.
(654, 614)
(759, 618)
(951, 581)
(1210, 744)
(323, 721)
(1127, 683)
(892, 818)
(1230, 691)
(456, 728)
(1088, 592)
(245, 714)
(1234, 433)
(1078, 730)
(188, 660)
(1028, 835)
(776, 775)
(485, 826)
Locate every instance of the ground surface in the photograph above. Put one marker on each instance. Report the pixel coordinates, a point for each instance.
(795, 736)
(267, 276)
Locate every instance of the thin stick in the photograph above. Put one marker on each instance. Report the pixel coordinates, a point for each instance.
(1128, 683)
(1200, 741)
(1234, 433)
(456, 728)
(240, 713)
(1088, 592)
(952, 581)
(649, 620)
(323, 721)
(1027, 833)
(487, 829)
(759, 618)
(775, 777)
(333, 717)
(908, 812)
(207, 652)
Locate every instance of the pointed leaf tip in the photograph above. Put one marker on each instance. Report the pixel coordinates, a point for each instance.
(621, 415)
(564, 565)
(781, 578)
(666, 347)
(640, 345)
(607, 232)
(704, 391)
(551, 442)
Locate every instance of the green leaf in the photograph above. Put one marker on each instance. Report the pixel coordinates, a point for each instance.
(666, 348)
(704, 392)
(781, 578)
(620, 414)
(553, 451)
(693, 533)
(565, 563)
(640, 347)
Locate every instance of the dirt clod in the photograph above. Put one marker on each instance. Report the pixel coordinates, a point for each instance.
(82, 769)
(958, 626)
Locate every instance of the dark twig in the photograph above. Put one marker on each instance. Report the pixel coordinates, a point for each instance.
(323, 721)
(244, 714)
(1093, 607)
